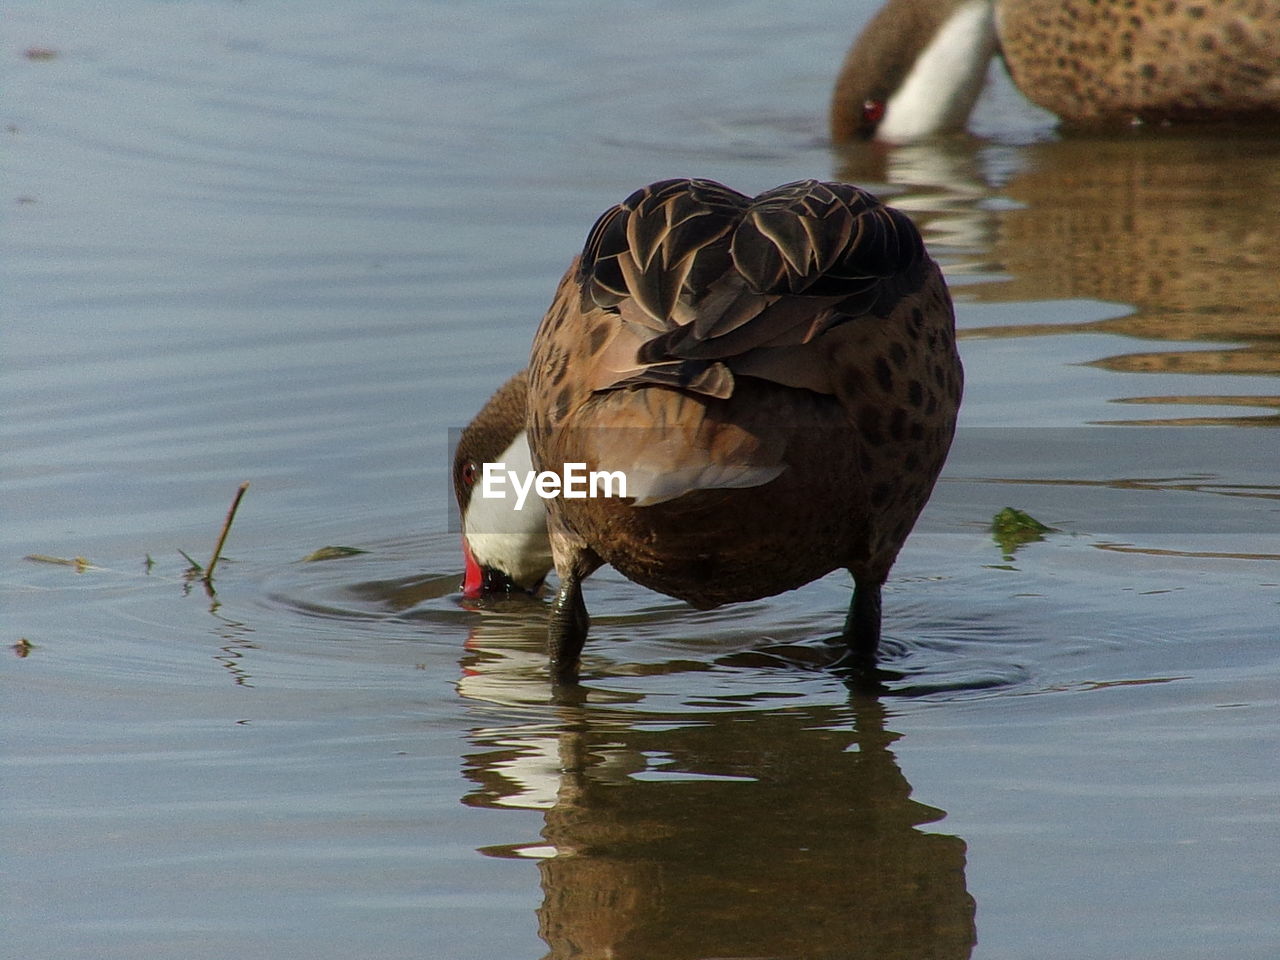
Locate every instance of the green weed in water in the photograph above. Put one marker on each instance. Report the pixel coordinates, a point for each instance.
(1012, 528)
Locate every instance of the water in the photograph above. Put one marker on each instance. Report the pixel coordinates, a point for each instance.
(296, 244)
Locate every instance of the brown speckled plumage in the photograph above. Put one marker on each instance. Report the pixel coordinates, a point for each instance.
(1154, 60)
(781, 368)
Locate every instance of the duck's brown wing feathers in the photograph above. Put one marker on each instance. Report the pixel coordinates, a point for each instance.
(664, 244)
(708, 281)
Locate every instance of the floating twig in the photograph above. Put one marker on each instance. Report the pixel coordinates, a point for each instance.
(332, 553)
(80, 563)
(222, 537)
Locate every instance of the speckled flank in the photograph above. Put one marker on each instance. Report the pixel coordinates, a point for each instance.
(1155, 60)
(904, 381)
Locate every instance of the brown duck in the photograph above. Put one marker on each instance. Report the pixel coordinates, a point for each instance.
(776, 378)
(919, 65)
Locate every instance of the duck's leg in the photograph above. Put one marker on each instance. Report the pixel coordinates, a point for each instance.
(567, 625)
(862, 626)
(567, 630)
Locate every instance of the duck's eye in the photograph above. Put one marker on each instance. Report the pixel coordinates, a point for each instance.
(872, 112)
(469, 473)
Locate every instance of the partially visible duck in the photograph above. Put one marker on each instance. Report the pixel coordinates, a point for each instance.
(776, 377)
(916, 70)
(504, 548)
(919, 65)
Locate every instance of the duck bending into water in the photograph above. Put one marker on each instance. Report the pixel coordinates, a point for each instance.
(919, 65)
(777, 379)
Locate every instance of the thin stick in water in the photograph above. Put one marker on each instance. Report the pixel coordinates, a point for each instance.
(226, 528)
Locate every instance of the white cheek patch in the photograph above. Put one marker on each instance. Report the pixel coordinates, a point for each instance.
(500, 536)
(943, 85)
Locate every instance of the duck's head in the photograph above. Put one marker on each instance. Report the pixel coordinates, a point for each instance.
(506, 549)
(915, 71)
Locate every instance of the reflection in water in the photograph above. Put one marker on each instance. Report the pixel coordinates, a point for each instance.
(1197, 554)
(943, 186)
(511, 671)
(772, 833)
(1182, 228)
(1158, 484)
(1260, 420)
(238, 642)
(405, 593)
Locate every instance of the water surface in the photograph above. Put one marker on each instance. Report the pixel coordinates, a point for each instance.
(296, 244)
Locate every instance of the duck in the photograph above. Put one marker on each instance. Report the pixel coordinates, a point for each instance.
(775, 378)
(918, 67)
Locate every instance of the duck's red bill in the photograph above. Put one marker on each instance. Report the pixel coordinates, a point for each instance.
(479, 581)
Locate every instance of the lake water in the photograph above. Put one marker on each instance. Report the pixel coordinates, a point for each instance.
(296, 243)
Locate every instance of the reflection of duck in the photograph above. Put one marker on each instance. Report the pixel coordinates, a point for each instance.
(775, 377)
(942, 185)
(918, 67)
(505, 655)
(654, 843)
(1183, 229)
(1178, 228)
